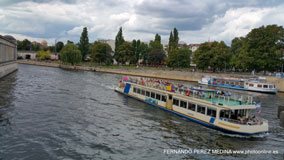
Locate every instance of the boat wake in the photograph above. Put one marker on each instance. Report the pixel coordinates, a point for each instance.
(261, 135)
(107, 86)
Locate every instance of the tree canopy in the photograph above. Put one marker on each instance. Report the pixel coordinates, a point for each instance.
(84, 43)
(125, 53)
(215, 55)
(101, 53)
(261, 50)
(119, 39)
(59, 45)
(43, 55)
(70, 54)
(156, 55)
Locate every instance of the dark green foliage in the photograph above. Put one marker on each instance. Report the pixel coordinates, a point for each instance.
(70, 54)
(215, 55)
(101, 53)
(59, 46)
(125, 53)
(84, 43)
(24, 45)
(177, 57)
(68, 41)
(175, 39)
(260, 50)
(27, 45)
(119, 40)
(143, 52)
(170, 44)
(180, 59)
(156, 55)
(136, 47)
(35, 46)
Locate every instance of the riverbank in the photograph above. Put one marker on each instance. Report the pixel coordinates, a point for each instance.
(182, 75)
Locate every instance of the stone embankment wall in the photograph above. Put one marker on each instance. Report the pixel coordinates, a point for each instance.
(7, 68)
(8, 55)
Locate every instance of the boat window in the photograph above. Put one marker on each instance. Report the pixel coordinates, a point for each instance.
(246, 83)
(251, 85)
(259, 86)
(164, 99)
(183, 104)
(191, 106)
(152, 94)
(211, 112)
(143, 92)
(138, 90)
(134, 90)
(147, 93)
(265, 86)
(224, 114)
(270, 86)
(201, 109)
(170, 97)
(176, 102)
(158, 97)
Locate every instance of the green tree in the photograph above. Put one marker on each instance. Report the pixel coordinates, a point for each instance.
(170, 44)
(119, 40)
(70, 54)
(68, 41)
(125, 53)
(101, 53)
(43, 55)
(59, 45)
(26, 45)
(144, 49)
(156, 55)
(84, 43)
(35, 46)
(215, 55)
(175, 39)
(173, 49)
(260, 50)
(180, 59)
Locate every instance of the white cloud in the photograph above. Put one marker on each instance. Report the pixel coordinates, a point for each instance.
(237, 22)
(196, 20)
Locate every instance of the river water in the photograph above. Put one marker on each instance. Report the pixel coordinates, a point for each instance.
(50, 113)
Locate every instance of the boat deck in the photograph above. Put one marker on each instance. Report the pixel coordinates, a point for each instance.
(221, 101)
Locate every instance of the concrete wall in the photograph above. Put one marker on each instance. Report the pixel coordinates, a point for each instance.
(8, 50)
(8, 55)
(7, 68)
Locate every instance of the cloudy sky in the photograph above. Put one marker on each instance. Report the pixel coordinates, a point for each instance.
(196, 20)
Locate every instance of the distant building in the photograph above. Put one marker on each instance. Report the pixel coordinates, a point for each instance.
(8, 55)
(31, 55)
(109, 42)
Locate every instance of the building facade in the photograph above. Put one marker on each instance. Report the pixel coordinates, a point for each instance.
(8, 55)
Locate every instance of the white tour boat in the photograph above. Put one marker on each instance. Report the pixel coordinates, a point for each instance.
(256, 85)
(233, 114)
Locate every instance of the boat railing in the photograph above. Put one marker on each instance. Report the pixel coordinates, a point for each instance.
(245, 121)
(213, 96)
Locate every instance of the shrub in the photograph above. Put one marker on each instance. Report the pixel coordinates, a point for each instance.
(70, 54)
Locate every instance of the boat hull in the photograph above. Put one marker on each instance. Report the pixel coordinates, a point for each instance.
(208, 125)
